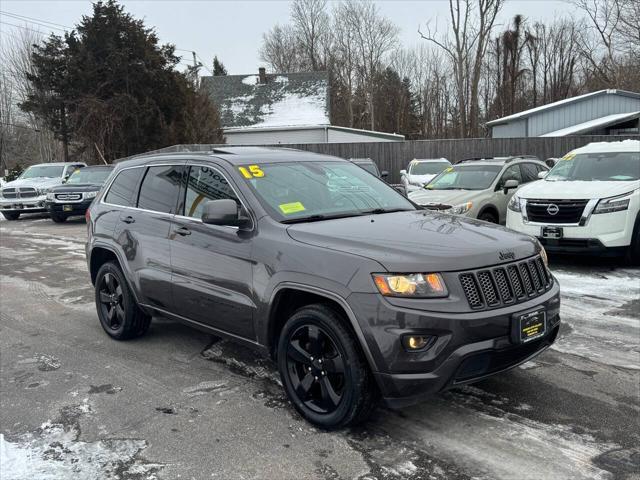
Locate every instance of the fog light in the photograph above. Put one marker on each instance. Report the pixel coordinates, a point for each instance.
(415, 343)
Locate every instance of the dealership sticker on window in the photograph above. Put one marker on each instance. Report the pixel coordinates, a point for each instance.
(569, 156)
(448, 169)
(252, 171)
(289, 208)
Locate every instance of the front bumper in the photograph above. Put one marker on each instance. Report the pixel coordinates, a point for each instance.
(23, 205)
(468, 346)
(75, 208)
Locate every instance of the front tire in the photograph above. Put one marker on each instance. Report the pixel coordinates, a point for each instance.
(488, 217)
(57, 218)
(633, 251)
(323, 370)
(11, 215)
(118, 311)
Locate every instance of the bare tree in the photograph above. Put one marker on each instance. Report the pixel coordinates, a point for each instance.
(280, 49)
(311, 24)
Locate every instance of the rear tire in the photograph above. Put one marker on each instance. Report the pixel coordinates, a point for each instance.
(57, 218)
(11, 215)
(488, 217)
(633, 251)
(118, 311)
(323, 370)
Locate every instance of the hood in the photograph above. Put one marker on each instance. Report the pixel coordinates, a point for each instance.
(425, 196)
(575, 190)
(417, 241)
(422, 179)
(38, 182)
(77, 187)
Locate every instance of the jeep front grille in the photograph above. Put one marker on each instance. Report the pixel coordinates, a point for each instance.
(505, 284)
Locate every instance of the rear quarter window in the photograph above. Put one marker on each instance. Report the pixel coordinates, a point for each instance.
(122, 190)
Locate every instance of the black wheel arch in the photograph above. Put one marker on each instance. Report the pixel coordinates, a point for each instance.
(490, 208)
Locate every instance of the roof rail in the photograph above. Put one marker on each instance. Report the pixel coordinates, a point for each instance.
(473, 159)
(518, 157)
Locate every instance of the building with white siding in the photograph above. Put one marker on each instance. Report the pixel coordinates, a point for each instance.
(284, 108)
(605, 112)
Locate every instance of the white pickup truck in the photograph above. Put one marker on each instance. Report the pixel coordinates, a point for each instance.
(27, 193)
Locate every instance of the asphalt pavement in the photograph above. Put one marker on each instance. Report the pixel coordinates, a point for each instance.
(178, 403)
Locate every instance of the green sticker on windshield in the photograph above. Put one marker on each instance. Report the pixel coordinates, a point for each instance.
(569, 156)
(449, 169)
(289, 208)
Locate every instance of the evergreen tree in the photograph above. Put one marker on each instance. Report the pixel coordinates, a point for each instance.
(218, 67)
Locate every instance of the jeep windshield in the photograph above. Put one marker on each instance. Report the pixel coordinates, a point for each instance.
(313, 191)
(465, 177)
(95, 176)
(604, 167)
(427, 168)
(39, 171)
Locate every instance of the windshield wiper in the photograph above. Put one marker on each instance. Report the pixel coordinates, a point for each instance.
(318, 217)
(378, 211)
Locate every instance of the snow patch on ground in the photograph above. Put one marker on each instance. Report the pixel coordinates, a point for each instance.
(593, 306)
(54, 453)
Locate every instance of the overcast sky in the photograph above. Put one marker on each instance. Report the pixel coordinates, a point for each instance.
(233, 29)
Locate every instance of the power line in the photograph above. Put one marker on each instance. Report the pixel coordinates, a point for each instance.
(20, 26)
(20, 126)
(38, 21)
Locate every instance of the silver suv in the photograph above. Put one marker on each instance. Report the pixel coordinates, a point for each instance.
(479, 188)
(28, 192)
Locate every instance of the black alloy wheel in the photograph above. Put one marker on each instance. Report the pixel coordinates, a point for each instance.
(316, 369)
(118, 311)
(111, 301)
(323, 369)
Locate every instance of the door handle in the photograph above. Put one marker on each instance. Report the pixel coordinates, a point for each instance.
(184, 231)
(128, 219)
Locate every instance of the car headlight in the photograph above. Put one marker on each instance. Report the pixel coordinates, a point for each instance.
(51, 196)
(89, 195)
(42, 191)
(416, 285)
(543, 256)
(514, 204)
(460, 209)
(613, 204)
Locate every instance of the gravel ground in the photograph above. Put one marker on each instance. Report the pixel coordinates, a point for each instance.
(178, 403)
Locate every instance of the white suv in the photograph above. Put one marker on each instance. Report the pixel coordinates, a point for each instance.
(421, 172)
(588, 202)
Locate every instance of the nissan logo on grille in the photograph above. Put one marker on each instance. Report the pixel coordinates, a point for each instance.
(553, 209)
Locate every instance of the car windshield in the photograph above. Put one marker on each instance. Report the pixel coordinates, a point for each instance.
(604, 167)
(465, 177)
(89, 175)
(310, 191)
(49, 171)
(427, 168)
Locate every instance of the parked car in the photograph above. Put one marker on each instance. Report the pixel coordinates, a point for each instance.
(354, 291)
(27, 194)
(370, 166)
(76, 194)
(588, 202)
(479, 188)
(421, 172)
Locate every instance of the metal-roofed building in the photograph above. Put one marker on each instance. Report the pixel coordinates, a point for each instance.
(605, 112)
(280, 108)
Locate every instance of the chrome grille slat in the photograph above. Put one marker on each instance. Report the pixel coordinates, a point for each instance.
(505, 284)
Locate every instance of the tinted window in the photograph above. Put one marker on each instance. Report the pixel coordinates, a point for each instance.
(529, 172)
(160, 187)
(122, 188)
(511, 173)
(204, 184)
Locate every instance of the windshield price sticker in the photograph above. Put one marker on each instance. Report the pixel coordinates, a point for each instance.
(252, 171)
(569, 156)
(289, 208)
(449, 169)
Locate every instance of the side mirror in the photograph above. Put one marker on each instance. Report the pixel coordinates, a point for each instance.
(543, 174)
(403, 172)
(509, 185)
(384, 174)
(224, 213)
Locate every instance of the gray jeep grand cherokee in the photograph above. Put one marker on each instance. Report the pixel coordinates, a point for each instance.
(355, 291)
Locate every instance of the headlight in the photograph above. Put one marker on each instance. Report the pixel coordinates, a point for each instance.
(416, 285)
(42, 191)
(51, 196)
(543, 255)
(514, 204)
(89, 195)
(460, 209)
(613, 204)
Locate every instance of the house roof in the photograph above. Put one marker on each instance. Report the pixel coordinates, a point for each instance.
(593, 124)
(289, 128)
(561, 103)
(286, 99)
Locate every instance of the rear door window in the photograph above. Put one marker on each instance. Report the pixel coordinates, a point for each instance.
(123, 187)
(160, 188)
(529, 172)
(204, 184)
